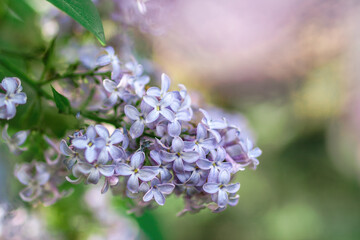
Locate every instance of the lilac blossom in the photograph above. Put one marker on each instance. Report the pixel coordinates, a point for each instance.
(179, 156)
(12, 97)
(95, 170)
(159, 108)
(110, 58)
(161, 93)
(137, 128)
(136, 171)
(250, 153)
(15, 141)
(117, 90)
(90, 143)
(216, 165)
(202, 144)
(137, 80)
(110, 151)
(213, 125)
(157, 191)
(174, 127)
(72, 155)
(221, 188)
(164, 169)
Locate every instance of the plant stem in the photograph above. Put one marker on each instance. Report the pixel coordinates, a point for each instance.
(73, 75)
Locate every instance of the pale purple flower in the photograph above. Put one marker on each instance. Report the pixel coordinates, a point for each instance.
(14, 142)
(216, 165)
(137, 81)
(193, 175)
(116, 90)
(137, 128)
(72, 155)
(136, 171)
(110, 58)
(221, 188)
(202, 144)
(213, 125)
(12, 97)
(179, 156)
(110, 151)
(157, 191)
(251, 153)
(90, 143)
(165, 174)
(95, 170)
(174, 127)
(160, 93)
(159, 108)
(34, 175)
(142, 6)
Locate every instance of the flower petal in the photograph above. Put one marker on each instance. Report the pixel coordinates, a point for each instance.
(152, 116)
(133, 183)
(204, 164)
(190, 157)
(123, 169)
(147, 174)
(174, 128)
(137, 159)
(106, 170)
(166, 188)
(94, 176)
(224, 176)
(132, 112)
(137, 129)
(178, 165)
(222, 198)
(233, 188)
(151, 101)
(64, 148)
(177, 144)
(149, 195)
(159, 197)
(102, 131)
(211, 188)
(153, 92)
(10, 84)
(166, 156)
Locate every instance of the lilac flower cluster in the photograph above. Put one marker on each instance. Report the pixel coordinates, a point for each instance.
(11, 97)
(163, 145)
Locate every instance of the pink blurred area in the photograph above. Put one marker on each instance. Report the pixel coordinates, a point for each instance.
(252, 40)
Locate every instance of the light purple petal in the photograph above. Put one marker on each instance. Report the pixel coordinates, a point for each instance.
(167, 157)
(124, 169)
(147, 174)
(174, 128)
(90, 154)
(152, 116)
(132, 112)
(211, 188)
(94, 176)
(159, 197)
(10, 84)
(84, 168)
(137, 159)
(102, 131)
(256, 152)
(190, 157)
(167, 100)
(233, 188)
(64, 148)
(177, 144)
(209, 143)
(178, 165)
(166, 188)
(148, 196)
(153, 91)
(201, 132)
(116, 137)
(20, 137)
(19, 98)
(189, 145)
(216, 124)
(137, 129)
(116, 153)
(107, 170)
(151, 101)
(220, 154)
(11, 109)
(222, 198)
(168, 114)
(109, 85)
(133, 183)
(91, 132)
(103, 60)
(165, 83)
(224, 176)
(204, 164)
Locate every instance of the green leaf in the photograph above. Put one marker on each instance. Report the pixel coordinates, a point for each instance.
(85, 13)
(62, 103)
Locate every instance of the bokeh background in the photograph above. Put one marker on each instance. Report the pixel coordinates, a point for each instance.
(291, 68)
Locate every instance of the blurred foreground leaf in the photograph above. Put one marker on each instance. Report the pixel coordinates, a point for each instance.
(85, 13)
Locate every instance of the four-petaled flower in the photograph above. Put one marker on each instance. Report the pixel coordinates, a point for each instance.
(136, 171)
(72, 155)
(213, 125)
(137, 128)
(179, 156)
(110, 58)
(12, 97)
(15, 141)
(110, 151)
(95, 170)
(157, 191)
(216, 165)
(90, 143)
(159, 107)
(201, 144)
(221, 188)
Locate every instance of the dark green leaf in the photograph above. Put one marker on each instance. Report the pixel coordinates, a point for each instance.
(85, 13)
(49, 53)
(62, 103)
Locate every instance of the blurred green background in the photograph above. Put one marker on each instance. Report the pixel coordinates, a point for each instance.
(290, 68)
